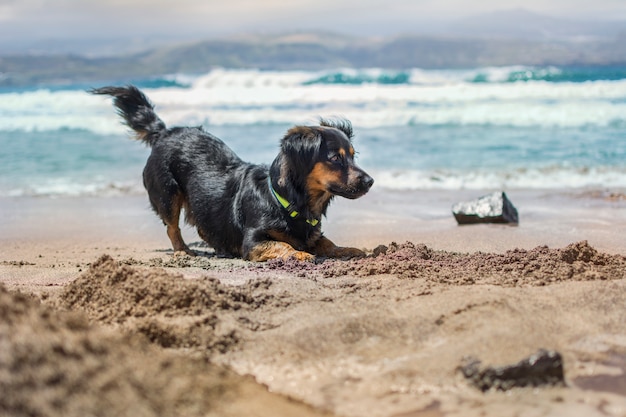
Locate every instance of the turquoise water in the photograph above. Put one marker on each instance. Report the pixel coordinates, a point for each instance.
(486, 128)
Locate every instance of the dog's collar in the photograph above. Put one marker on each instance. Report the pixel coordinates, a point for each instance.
(288, 206)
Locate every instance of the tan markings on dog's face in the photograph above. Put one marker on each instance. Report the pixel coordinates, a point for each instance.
(321, 176)
(318, 182)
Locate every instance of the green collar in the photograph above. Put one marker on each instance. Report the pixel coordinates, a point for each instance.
(288, 206)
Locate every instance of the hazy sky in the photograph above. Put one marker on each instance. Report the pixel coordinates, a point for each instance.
(41, 19)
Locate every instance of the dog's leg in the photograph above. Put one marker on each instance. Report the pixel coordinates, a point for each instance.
(271, 249)
(179, 245)
(324, 247)
(173, 229)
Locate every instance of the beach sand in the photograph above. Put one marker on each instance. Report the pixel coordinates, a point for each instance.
(100, 319)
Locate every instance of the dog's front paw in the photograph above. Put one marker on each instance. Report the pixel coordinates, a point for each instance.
(267, 250)
(302, 256)
(348, 253)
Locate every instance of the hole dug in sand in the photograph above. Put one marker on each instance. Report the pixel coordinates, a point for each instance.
(170, 310)
(54, 363)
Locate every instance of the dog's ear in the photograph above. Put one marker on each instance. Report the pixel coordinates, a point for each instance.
(342, 124)
(301, 147)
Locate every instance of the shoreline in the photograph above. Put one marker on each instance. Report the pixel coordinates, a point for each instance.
(547, 217)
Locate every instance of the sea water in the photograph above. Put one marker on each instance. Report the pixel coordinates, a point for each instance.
(484, 129)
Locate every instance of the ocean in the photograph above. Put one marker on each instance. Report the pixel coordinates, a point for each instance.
(484, 129)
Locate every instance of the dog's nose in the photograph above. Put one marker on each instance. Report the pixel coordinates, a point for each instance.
(367, 181)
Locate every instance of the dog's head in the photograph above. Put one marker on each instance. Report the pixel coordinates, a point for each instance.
(319, 160)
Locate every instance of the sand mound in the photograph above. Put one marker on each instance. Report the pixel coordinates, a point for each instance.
(170, 310)
(56, 364)
(536, 267)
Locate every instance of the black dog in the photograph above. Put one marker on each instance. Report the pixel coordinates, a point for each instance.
(241, 209)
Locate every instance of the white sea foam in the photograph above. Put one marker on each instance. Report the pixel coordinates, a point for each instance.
(71, 187)
(240, 97)
(543, 178)
(44, 110)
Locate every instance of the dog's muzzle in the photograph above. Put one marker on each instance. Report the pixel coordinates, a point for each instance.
(358, 186)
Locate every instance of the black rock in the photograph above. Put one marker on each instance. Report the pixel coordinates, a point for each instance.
(542, 368)
(492, 208)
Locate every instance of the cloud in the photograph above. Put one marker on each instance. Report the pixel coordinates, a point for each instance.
(96, 18)
(63, 17)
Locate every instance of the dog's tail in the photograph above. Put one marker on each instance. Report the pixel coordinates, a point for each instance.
(136, 110)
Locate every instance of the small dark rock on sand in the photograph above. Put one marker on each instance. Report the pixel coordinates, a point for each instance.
(492, 208)
(542, 368)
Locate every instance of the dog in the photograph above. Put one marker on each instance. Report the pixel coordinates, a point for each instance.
(242, 209)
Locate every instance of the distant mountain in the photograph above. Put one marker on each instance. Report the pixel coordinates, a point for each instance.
(314, 51)
(508, 24)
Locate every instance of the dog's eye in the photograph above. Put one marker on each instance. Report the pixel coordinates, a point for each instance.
(335, 159)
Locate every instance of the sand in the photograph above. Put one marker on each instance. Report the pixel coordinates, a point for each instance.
(99, 318)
